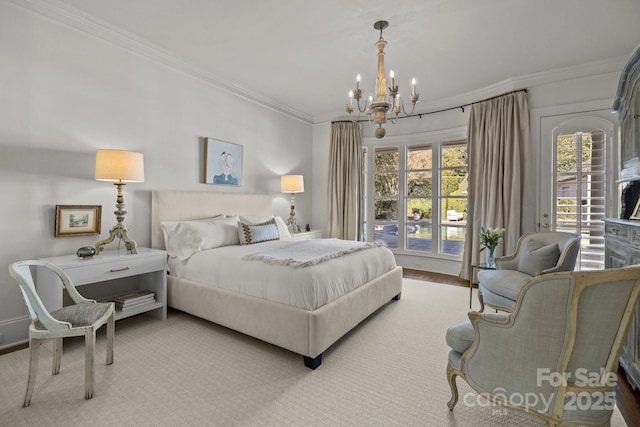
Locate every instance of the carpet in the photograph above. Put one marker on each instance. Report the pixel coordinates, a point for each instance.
(388, 371)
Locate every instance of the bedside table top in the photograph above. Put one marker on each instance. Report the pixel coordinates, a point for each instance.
(103, 257)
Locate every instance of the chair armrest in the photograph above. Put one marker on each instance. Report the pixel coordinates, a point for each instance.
(509, 262)
(554, 269)
(492, 318)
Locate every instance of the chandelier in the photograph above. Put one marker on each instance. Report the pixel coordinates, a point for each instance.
(387, 105)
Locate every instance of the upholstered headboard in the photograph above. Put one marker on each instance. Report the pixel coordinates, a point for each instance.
(186, 205)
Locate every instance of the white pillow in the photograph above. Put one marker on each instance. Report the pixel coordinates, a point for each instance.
(169, 227)
(283, 231)
(189, 237)
(256, 233)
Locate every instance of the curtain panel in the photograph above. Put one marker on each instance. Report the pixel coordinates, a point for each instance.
(345, 182)
(498, 146)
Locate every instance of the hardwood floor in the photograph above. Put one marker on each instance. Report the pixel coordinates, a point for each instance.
(627, 399)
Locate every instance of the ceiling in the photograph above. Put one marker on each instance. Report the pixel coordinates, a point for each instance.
(303, 56)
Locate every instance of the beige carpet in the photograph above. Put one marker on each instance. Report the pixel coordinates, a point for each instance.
(390, 371)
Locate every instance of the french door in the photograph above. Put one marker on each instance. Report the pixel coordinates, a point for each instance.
(577, 187)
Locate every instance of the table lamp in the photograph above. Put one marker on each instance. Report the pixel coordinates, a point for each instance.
(119, 167)
(292, 184)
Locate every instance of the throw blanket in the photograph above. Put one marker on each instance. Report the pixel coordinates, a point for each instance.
(310, 252)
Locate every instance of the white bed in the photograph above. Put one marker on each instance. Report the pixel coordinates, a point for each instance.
(308, 332)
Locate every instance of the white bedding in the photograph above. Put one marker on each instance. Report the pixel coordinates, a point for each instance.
(308, 288)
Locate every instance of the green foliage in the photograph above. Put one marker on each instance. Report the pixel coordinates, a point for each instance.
(567, 151)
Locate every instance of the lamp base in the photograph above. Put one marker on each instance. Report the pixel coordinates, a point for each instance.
(118, 230)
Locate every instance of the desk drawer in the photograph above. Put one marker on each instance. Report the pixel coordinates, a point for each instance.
(117, 269)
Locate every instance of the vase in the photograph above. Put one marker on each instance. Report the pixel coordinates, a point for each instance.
(491, 262)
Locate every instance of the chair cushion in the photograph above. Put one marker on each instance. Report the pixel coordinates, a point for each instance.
(460, 337)
(506, 283)
(536, 257)
(79, 315)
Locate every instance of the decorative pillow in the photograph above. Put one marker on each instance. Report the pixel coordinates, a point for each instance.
(256, 233)
(283, 231)
(189, 237)
(536, 257)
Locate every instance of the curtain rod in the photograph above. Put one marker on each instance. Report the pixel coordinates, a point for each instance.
(439, 111)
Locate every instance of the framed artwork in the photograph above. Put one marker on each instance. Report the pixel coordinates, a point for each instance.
(222, 162)
(636, 214)
(77, 220)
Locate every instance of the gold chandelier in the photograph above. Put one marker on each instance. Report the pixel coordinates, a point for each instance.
(377, 111)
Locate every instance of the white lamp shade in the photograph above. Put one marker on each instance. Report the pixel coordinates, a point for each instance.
(119, 166)
(292, 184)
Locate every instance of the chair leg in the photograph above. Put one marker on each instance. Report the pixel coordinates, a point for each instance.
(111, 326)
(89, 351)
(451, 377)
(481, 299)
(57, 355)
(34, 350)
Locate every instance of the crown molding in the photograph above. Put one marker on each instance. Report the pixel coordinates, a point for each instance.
(76, 19)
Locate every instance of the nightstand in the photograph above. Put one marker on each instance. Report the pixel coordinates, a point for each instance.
(107, 275)
(313, 234)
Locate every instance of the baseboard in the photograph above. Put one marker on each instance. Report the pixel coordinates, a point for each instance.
(14, 331)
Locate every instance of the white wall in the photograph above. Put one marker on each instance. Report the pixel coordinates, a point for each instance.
(563, 91)
(66, 93)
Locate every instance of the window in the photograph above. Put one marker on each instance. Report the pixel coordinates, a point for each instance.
(385, 200)
(420, 197)
(453, 197)
(580, 193)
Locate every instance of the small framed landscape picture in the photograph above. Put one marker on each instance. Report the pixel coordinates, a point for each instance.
(77, 220)
(222, 162)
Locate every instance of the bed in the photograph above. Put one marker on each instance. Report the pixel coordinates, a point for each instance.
(306, 331)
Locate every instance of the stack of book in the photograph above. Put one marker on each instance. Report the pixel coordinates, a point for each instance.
(134, 299)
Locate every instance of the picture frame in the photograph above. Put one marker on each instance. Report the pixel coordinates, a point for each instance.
(222, 163)
(635, 215)
(77, 220)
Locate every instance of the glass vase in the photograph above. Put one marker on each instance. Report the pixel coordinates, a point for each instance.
(491, 261)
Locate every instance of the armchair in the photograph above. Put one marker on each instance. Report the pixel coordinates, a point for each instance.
(536, 253)
(83, 318)
(556, 355)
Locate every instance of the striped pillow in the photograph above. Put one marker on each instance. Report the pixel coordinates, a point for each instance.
(256, 233)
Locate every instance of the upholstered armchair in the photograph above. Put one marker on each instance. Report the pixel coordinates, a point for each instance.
(556, 356)
(536, 253)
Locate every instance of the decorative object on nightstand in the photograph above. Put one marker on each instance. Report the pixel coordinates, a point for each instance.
(119, 167)
(292, 184)
(86, 252)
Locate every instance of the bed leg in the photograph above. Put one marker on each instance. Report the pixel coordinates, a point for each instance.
(397, 297)
(311, 362)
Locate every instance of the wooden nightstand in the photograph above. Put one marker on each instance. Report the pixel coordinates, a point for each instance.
(104, 276)
(313, 234)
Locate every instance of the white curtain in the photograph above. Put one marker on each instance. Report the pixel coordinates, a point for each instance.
(498, 145)
(345, 182)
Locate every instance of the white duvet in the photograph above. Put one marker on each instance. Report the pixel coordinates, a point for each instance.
(308, 288)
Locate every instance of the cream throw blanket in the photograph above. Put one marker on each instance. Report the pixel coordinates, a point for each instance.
(304, 253)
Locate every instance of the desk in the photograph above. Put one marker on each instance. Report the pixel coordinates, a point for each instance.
(481, 266)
